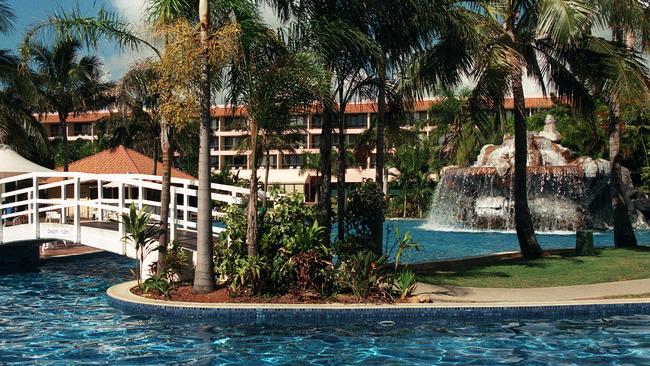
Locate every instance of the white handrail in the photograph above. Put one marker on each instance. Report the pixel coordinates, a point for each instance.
(75, 197)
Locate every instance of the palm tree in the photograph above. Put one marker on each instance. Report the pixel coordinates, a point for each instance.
(399, 28)
(459, 130)
(336, 31)
(66, 84)
(204, 275)
(273, 83)
(18, 126)
(540, 36)
(141, 234)
(629, 22)
(412, 163)
(162, 13)
(136, 123)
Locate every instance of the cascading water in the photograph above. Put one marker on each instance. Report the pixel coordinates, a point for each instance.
(564, 192)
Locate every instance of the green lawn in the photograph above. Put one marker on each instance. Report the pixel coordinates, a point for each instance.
(558, 270)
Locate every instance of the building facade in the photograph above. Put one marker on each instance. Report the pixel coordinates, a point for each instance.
(287, 167)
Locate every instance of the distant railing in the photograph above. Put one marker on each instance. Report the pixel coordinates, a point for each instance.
(62, 196)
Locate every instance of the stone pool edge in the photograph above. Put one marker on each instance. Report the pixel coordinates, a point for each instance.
(121, 298)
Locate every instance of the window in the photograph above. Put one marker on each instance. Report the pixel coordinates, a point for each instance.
(231, 142)
(56, 130)
(420, 116)
(273, 162)
(355, 121)
(316, 141)
(292, 161)
(316, 121)
(83, 129)
(298, 121)
(214, 143)
(214, 124)
(214, 161)
(237, 161)
(350, 139)
(300, 142)
(234, 123)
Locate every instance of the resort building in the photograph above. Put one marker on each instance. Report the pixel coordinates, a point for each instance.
(287, 168)
(82, 126)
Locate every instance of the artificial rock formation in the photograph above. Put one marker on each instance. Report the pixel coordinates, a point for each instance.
(566, 192)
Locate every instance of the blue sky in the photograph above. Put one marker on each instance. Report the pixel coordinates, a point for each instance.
(30, 12)
(116, 62)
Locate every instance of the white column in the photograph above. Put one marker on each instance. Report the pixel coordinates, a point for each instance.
(35, 220)
(29, 207)
(172, 213)
(186, 206)
(63, 209)
(2, 225)
(120, 206)
(100, 197)
(140, 194)
(77, 209)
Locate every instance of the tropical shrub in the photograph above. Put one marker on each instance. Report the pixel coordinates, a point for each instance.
(176, 262)
(141, 234)
(158, 285)
(405, 283)
(645, 180)
(288, 229)
(367, 276)
(250, 272)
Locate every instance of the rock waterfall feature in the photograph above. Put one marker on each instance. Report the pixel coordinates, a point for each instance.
(565, 192)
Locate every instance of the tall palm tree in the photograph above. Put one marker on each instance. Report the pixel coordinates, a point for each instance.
(273, 83)
(204, 275)
(162, 13)
(136, 123)
(544, 38)
(337, 32)
(629, 22)
(66, 84)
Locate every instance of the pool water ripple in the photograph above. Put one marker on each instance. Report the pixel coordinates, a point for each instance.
(54, 318)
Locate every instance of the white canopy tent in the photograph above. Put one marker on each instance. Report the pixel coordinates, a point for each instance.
(11, 163)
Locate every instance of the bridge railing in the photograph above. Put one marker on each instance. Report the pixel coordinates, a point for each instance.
(63, 196)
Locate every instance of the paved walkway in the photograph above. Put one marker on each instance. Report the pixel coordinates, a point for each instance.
(565, 293)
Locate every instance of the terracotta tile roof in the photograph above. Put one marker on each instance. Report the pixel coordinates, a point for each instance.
(53, 118)
(530, 103)
(223, 111)
(120, 160)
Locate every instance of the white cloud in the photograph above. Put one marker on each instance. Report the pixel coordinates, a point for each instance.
(132, 10)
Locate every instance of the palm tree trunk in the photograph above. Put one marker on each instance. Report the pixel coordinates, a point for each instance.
(325, 197)
(165, 194)
(64, 127)
(623, 231)
(267, 166)
(404, 213)
(378, 232)
(251, 217)
(340, 172)
(204, 274)
(154, 169)
(523, 221)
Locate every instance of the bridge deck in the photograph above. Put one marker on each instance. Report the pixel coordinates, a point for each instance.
(185, 237)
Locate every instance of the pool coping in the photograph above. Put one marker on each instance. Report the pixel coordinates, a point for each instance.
(120, 297)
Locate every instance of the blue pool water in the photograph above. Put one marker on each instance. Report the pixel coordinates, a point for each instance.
(60, 316)
(453, 244)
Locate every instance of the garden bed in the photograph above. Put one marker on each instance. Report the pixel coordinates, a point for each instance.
(183, 293)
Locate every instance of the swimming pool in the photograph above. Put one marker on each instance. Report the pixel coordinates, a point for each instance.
(61, 316)
(438, 245)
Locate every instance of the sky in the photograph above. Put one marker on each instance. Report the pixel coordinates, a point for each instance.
(116, 62)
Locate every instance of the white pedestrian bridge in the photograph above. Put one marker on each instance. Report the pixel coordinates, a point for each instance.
(86, 208)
